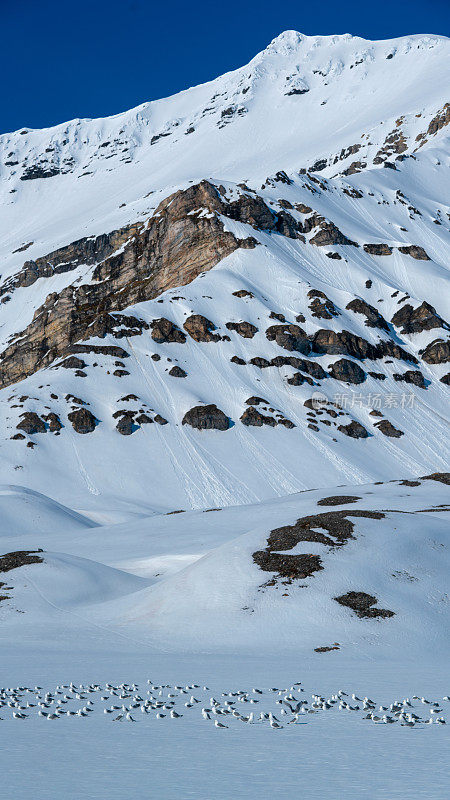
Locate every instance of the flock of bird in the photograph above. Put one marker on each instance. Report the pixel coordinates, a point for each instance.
(130, 702)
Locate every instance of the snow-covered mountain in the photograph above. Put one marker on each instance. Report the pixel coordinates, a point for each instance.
(223, 423)
(279, 232)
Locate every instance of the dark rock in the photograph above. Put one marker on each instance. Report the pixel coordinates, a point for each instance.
(354, 429)
(160, 420)
(329, 235)
(206, 418)
(362, 604)
(347, 371)
(237, 360)
(310, 367)
(143, 419)
(290, 337)
(125, 425)
(260, 362)
(72, 362)
(373, 317)
(279, 317)
(163, 330)
(201, 329)
(83, 421)
(415, 251)
(243, 293)
(252, 416)
(321, 306)
(19, 558)
(388, 429)
(422, 318)
(255, 401)
(177, 372)
(53, 421)
(445, 379)
(437, 352)
(338, 500)
(244, 329)
(297, 379)
(411, 376)
(31, 423)
(378, 249)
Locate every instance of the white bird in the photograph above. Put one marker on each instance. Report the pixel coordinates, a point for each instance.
(219, 724)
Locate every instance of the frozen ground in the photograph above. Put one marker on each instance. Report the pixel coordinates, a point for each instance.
(78, 618)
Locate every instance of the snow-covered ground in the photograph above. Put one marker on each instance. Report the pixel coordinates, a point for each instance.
(175, 603)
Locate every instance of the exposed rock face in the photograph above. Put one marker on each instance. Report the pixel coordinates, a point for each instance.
(416, 320)
(297, 379)
(171, 250)
(290, 337)
(243, 293)
(344, 342)
(177, 372)
(163, 330)
(388, 429)
(354, 429)
(330, 234)
(206, 418)
(415, 252)
(378, 249)
(31, 423)
(244, 329)
(362, 603)
(411, 376)
(53, 421)
(83, 421)
(72, 362)
(437, 352)
(321, 306)
(252, 416)
(201, 329)
(347, 371)
(125, 424)
(310, 367)
(373, 317)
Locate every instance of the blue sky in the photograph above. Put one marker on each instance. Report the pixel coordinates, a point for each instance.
(66, 59)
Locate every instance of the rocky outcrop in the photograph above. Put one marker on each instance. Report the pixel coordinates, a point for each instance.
(201, 329)
(378, 249)
(244, 329)
(330, 234)
(252, 416)
(177, 372)
(347, 371)
(53, 421)
(132, 265)
(321, 306)
(411, 376)
(363, 605)
(206, 418)
(414, 251)
(416, 320)
(83, 421)
(387, 429)
(373, 317)
(346, 343)
(310, 367)
(290, 337)
(163, 330)
(31, 423)
(437, 352)
(354, 429)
